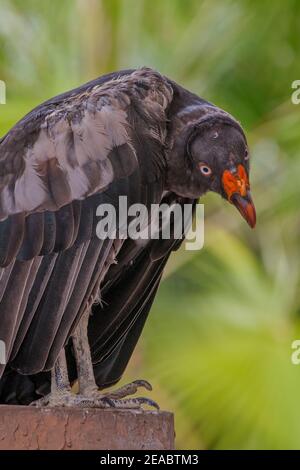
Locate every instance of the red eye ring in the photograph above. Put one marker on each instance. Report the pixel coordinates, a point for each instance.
(205, 169)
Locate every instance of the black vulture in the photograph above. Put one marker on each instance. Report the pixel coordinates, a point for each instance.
(73, 304)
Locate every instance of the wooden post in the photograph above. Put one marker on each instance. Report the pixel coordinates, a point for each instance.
(28, 428)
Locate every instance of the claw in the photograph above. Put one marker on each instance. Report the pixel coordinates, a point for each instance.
(143, 383)
(110, 402)
(148, 401)
(129, 389)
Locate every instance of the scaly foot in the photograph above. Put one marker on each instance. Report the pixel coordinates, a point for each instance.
(92, 398)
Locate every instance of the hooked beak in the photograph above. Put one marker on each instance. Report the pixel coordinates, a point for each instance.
(245, 206)
(237, 189)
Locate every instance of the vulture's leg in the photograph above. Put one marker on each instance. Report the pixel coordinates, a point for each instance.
(61, 394)
(89, 395)
(85, 373)
(86, 379)
(87, 385)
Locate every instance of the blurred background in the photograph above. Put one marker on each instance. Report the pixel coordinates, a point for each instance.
(217, 345)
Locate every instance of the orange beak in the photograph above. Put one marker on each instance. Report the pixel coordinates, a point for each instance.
(237, 188)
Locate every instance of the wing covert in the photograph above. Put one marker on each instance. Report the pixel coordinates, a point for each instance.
(72, 148)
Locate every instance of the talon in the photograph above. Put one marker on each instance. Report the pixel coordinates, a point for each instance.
(148, 401)
(143, 383)
(109, 401)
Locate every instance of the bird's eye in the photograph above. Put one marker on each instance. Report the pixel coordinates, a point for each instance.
(205, 169)
(246, 154)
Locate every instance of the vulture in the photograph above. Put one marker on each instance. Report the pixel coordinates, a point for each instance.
(73, 304)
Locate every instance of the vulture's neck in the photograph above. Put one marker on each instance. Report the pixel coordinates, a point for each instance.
(185, 111)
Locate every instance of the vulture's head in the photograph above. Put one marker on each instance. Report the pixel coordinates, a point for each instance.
(216, 158)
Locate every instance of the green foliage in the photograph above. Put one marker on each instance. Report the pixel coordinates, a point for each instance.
(218, 341)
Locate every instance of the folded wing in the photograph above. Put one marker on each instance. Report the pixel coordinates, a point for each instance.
(66, 157)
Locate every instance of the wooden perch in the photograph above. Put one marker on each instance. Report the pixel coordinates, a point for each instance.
(29, 428)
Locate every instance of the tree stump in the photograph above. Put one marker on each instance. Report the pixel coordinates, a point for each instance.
(29, 428)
